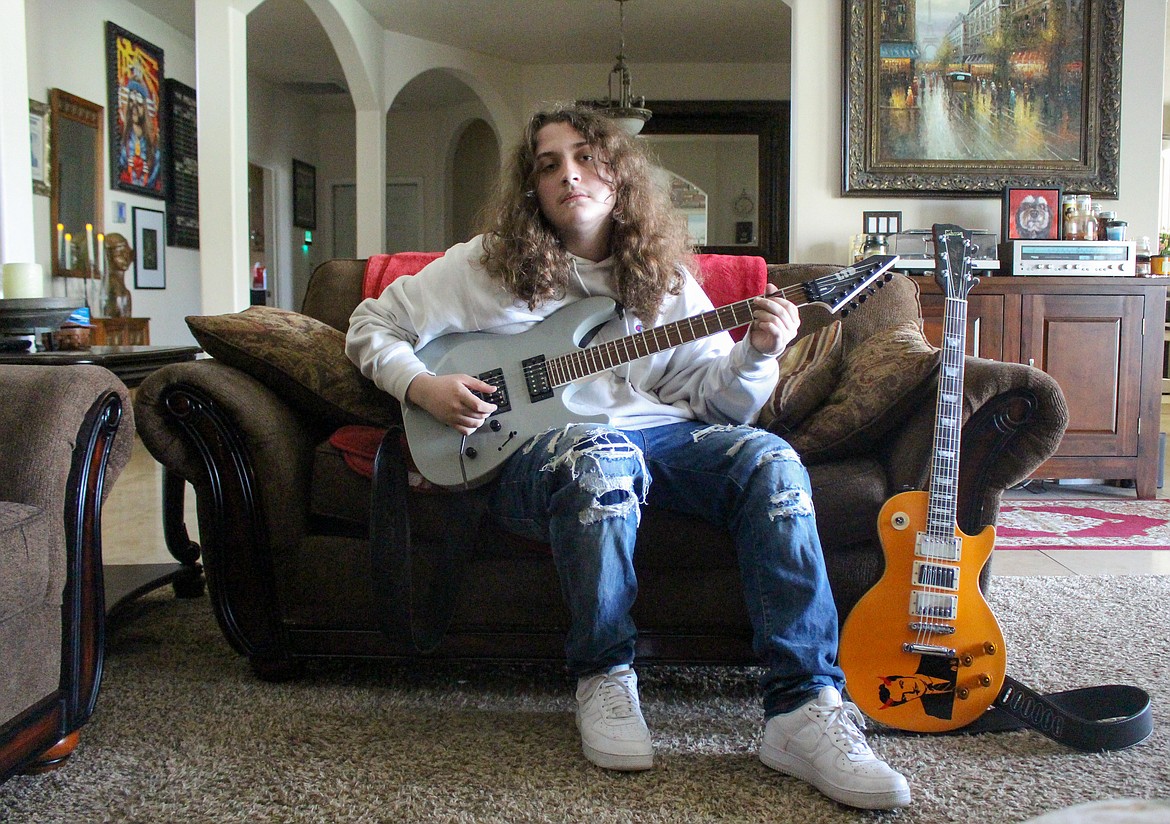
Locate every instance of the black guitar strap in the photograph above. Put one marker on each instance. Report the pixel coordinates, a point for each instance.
(416, 587)
(1092, 719)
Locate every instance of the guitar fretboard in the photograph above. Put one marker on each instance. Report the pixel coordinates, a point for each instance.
(572, 366)
(944, 475)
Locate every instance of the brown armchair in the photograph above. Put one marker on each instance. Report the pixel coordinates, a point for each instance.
(297, 568)
(65, 435)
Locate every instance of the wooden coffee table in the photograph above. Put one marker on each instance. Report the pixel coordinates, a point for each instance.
(125, 582)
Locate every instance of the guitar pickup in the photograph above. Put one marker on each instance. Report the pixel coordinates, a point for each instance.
(945, 548)
(536, 376)
(934, 605)
(500, 397)
(937, 576)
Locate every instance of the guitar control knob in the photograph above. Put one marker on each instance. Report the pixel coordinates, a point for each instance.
(962, 693)
(494, 425)
(990, 648)
(984, 679)
(470, 452)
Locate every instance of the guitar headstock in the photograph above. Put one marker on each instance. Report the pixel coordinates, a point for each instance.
(952, 259)
(846, 289)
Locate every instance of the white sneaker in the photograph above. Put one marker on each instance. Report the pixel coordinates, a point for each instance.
(821, 743)
(609, 716)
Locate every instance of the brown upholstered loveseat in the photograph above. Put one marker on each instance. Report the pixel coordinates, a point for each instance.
(61, 450)
(285, 522)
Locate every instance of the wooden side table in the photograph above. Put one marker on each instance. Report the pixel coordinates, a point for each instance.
(120, 332)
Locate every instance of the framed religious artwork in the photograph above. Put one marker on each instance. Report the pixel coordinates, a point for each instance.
(134, 74)
(1031, 214)
(949, 98)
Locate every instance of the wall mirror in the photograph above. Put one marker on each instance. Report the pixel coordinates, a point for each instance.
(75, 163)
(732, 155)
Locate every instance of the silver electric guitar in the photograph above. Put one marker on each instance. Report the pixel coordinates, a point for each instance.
(532, 386)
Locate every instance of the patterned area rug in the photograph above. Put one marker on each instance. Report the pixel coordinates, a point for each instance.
(1084, 525)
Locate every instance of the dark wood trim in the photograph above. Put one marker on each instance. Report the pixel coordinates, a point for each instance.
(769, 120)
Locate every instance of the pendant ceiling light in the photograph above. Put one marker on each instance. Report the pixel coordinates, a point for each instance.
(629, 116)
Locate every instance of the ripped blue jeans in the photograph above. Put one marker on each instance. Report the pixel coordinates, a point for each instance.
(581, 490)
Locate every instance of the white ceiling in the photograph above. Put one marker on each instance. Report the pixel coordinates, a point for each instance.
(287, 44)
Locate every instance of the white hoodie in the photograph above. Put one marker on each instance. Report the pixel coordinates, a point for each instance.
(711, 379)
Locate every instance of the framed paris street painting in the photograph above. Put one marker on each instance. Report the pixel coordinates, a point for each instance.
(954, 97)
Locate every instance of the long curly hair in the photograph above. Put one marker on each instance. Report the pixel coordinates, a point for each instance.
(649, 240)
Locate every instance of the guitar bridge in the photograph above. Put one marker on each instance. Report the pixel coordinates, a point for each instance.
(929, 649)
(931, 628)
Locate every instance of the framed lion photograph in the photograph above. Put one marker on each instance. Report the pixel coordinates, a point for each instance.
(1031, 214)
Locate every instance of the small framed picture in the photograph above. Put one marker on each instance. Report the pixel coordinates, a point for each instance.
(38, 133)
(304, 195)
(150, 246)
(1031, 214)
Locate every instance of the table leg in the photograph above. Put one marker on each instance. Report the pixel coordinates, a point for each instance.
(179, 543)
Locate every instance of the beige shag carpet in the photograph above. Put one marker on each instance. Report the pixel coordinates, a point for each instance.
(184, 732)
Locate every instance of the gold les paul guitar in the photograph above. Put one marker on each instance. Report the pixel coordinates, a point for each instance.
(922, 650)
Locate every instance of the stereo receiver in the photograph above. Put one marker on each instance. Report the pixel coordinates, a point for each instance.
(1068, 257)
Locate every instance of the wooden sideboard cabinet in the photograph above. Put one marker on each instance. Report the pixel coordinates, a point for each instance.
(120, 332)
(1101, 339)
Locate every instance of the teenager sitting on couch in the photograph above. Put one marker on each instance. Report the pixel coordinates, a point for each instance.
(577, 215)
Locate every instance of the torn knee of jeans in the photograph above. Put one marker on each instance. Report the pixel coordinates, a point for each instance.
(595, 444)
(613, 497)
(774, 455)
(790, 503)
(749, 433)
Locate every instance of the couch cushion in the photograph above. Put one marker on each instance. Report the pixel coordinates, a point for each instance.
(301, 359)
(24, 558)
(808, 372)
(880, 381)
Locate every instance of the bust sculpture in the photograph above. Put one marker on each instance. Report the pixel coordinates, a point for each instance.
(119, 256)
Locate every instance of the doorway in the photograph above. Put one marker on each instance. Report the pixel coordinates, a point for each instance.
(261, 233)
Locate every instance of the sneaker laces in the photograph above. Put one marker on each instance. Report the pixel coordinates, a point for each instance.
(617, 699)
(844, 724)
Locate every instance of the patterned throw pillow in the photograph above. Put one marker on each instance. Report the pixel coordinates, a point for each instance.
(300, 358)
(881, 380)
(808, 372)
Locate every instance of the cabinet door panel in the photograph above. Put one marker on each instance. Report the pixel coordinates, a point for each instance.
(984, 323)
(1092, 346)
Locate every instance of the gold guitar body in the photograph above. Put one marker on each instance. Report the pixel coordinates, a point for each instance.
(888, 674)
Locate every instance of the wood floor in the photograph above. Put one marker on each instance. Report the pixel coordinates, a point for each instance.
(132, 526)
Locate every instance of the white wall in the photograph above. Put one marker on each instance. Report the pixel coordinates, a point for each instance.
(823, 220)
(66, 50)
(281, 127)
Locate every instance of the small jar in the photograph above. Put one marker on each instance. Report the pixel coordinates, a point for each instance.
(1115, 229)
(1103, 219)
(1145, 251)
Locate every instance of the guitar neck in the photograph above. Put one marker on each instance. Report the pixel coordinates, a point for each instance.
(591, 360)
(948, 422)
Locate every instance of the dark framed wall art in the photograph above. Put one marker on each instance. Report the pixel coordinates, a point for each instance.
(958, 98)
(150, 247)
(134, 71)
(182, 157)
(304, 179)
